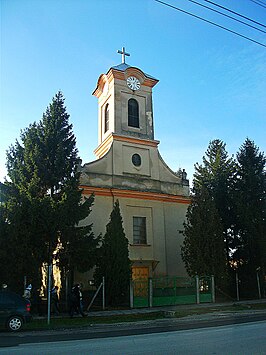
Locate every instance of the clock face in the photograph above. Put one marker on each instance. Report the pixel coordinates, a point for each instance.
(133, 83)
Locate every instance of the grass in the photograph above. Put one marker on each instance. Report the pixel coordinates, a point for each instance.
(78, 322)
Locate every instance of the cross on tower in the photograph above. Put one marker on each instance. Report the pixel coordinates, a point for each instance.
(123, 52)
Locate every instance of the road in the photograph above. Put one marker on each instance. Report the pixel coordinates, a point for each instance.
(242, 339)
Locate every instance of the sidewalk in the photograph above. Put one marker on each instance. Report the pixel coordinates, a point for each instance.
(173, 308)
(168, 309)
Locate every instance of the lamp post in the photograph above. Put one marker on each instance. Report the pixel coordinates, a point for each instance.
(49, 293)
(234, 266)
(50, 265)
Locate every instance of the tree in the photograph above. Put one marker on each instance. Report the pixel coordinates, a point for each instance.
(217, 175)
(44, 205)
(250, 198)
(203, 250)
(114, 263)
(4, 232)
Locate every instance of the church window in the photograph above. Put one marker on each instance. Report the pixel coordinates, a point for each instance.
(106, 118)
(133, 113)
(139, 230)
(136, 159)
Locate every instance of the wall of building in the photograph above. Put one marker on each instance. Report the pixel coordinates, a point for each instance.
(164, 221)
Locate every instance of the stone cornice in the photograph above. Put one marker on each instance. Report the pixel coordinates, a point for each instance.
(123, 75)
(106, 144)
(140, 195)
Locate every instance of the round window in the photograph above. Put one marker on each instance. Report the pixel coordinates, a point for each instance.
(136, 159)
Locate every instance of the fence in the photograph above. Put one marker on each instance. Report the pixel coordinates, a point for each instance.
(166, 291)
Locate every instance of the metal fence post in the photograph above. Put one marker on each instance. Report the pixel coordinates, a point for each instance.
(237, 287)
(25, 282)
(103, 293)
(213, 288)
(150, 292)
(67, 292)
(197, 290)
(258, 283)
(96, 294)
(131, 294)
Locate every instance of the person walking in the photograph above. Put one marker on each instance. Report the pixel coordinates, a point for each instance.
(27, 292)
(76, 301)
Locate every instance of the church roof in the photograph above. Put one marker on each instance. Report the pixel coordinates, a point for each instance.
(124, 67)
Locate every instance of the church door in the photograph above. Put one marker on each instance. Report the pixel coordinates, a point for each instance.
(140, 277)
(140, 272)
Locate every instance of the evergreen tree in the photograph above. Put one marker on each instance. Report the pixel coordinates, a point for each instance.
(18, 256)
(250, 197)
(113, 263)
(203, 250)
(217, 175)
(44, 204)
(4, 232)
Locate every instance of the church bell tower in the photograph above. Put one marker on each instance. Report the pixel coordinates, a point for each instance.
(125, 109)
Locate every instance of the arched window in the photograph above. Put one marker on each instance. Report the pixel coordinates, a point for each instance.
(133, 113)
(106, 118)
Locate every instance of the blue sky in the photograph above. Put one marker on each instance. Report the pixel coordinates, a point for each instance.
(212, 83)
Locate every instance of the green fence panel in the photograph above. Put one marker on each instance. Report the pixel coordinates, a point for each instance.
(168, 291)
(205, 289)
(171, 301)
(205, 297)
(173, 290)
(140, 302)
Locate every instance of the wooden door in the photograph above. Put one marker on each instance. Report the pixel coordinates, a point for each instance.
(140, 275)
(140, 272)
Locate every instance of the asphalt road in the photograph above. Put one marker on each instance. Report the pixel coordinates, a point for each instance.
(238, 339)
(126, 329)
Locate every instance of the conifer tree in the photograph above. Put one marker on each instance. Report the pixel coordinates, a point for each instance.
(44, 204)
(217, 175)
(114, 263)
(250, 197)
(203, 250)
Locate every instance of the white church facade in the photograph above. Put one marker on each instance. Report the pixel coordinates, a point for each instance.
(129, 168)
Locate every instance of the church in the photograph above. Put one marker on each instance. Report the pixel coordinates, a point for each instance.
(153, 199)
